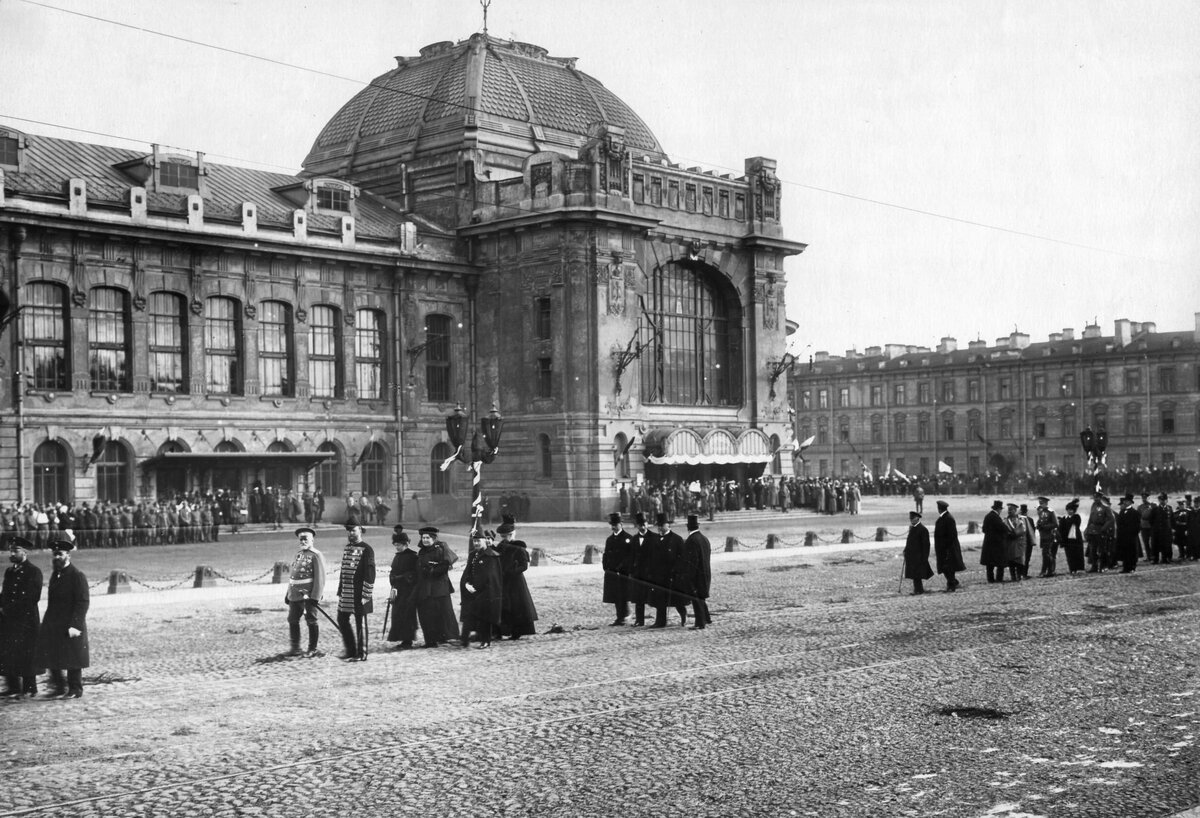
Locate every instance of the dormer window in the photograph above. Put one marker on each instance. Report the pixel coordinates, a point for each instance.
(11, 145)
(333, 198)
(178, 174)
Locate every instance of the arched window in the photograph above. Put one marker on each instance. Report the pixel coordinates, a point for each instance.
(374, 470)
(370, 341)
(168, 343)
(46, 333)
(547, 464)
(329, 472)
(278, 475)
(776, 465)
(113, 473)
(437, 358)
(222, 346)
(171, 480)
(109, 341)
(692, 333)
(439, 481)
(51, 474)
(324, 353)
(276, 363)
(621, 456)
(229, 477)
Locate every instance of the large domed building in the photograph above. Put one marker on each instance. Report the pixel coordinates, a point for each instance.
(484, 225)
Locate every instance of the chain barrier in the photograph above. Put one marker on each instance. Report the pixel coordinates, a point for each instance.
(189, 578)
(263, 575)
(571, 561)
(98, 583)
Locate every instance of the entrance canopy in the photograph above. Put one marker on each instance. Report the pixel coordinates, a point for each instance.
(234, 460)
(686, 447)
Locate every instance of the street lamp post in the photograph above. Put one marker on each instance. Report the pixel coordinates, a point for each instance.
(485, 444)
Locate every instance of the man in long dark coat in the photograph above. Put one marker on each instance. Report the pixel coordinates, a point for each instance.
(1129, 528)
(697, 557)
(993, 555)
(1161, 519)
(63, 638)
(482, 592)
(661, 568)
(637, 587)
(403, 578)
(434, 609)
(518, 613)
(1047, 528)
(356, 587)
(617, 562)
(19, 597)
(946, 548)
(916, 553)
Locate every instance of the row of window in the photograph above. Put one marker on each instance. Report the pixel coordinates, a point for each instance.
(948, 425)
(1006, 388)
(695, 199)
(974, 465)
(47, 334)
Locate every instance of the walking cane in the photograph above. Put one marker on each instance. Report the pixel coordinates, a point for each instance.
(386, 617)
(358, 627)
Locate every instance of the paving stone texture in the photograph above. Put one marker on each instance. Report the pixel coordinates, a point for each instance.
(820, 690)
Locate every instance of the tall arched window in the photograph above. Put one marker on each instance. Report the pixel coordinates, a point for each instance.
(168, 342)
(374, 470)
(439, 481)
(621, 456)
(776, 464)
(278, 475)
(369, 344)
(229, 477)
(47, 335)
(51, 473)
(547, 463)
(222, 346)
(113, 473)
(109, 340)
(276, 365)
(692, 333)
(437, 358)
(324, 353)
(329, 472)
(171, 481)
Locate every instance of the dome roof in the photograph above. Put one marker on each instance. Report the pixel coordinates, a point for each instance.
(503, 95)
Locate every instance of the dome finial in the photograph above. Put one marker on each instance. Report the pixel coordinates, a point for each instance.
(485, 4)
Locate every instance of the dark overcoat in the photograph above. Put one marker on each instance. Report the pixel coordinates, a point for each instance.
(946, 548)
(1129, 526)
(617, 562)
(916, 553)
(638, 586)
(692, 575)
(665, 549)
(518, 612)
(19, 597)
(67, 600)
(481, 607)
(403, 579)
(434, 609)
(995, 540)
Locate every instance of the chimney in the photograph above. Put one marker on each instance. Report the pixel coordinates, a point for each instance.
(895, 350)
(1123, 332)
(852, 353)
(1018, 340)
(1068, 334)
(1091, 331)
(821, 356)
(1002, 343)
(1055, 337)
(875, 352)
(977, 344)
(948, 345)
(1149, 327)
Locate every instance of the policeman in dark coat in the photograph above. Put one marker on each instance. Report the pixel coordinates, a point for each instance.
(946, 548)
(916, 553)
(63, 638)
(19, 620)
(1161, 520)
(697, 557)
(482, 591)
(637, 587)
(667, 550)
(993, 555)
(1047, 528)
(403, 578)
(356, 587)
(617, 562)
(1129, 526)
(434, 609)
(518, 613)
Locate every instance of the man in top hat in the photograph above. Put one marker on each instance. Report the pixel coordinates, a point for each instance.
(694, 572)
(665, 549)
(518, 612)
(434, 609)
(63, 638)
(617, 561)
(947, 551)
(19, 596)
(403, 577)
(306, 586)
(1047, 530)
(1193, 528)
(1129, 525)
(916, 553)
(637, 586)
(356, 586)
(993, 554)
(1161, 520)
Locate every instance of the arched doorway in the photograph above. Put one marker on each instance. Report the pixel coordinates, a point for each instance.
(51, 474)
(171, 481)
(227, 478)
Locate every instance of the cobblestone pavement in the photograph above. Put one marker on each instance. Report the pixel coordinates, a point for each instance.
(819, 691)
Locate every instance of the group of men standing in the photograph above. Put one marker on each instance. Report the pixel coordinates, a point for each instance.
(59, 641)
(659, 569)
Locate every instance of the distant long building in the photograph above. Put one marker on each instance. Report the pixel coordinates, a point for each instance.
(912, 407)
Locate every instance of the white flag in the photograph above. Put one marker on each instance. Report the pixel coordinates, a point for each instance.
(944, 468)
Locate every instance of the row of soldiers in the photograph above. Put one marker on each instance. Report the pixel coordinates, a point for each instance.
(657, 568)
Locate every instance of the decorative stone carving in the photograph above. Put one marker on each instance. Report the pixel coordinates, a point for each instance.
(616, 289)
(251, 311)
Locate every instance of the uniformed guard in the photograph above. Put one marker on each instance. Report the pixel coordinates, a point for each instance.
(1047, 529)
(19, 620)
(306, 585)
(356, 586)
(63, 637)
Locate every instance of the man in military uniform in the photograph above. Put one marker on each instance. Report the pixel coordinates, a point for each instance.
(356, 585)
(1047, 529)
(1129, 525)
(306, 585)
(1146, 512)
(63, 637)
(19, 620)
(617, 562)
(1100, 533)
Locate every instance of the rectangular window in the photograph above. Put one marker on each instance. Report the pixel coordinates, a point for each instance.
(656, 191)
(823, 433)
(899, 429)
(723, 204)
(899, 395)
(923, 393)
(639, 188)
(177, 174)
(46, 332)
(876, 467)
(844, 430)
(1039, 462)
(108, 340)
(1099, 382)
(1004, 389)
(947, 428)
(1133, 381)
(1168, 421)
(437, 358)
(689, 197)
(1068, 422)
(924, 465)
(845, 464)
(922, 429)
(333, 198)
(1069, 463)
(1067, 385)
(545, 378)
(973, 390)
(541, 176)
(222, 347)
(823, 468)
(275, 363)
(822, 398)
(9, 151)
(972, 426)
(806, 399)
(1039, 386)
(877, 395)
(1039, 428)
(739, 207)
(1006, 426)
(948, 391)
(901, 465)
(168, 329)
(1133, 421)
(673, 194)
(541, 319)
(843, 397)
(706, 201)
(973, 465)
(876, 430)
(1166, 379)
(324, 353)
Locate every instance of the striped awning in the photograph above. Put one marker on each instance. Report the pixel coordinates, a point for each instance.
(687, 447)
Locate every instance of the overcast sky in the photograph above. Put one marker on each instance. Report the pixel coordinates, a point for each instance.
(957, 168)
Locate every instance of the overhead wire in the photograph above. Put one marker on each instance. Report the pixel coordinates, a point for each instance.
(453, 104)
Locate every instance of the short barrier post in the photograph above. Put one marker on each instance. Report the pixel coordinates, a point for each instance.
(972, 527)
(205, 578)
(880, 534)
(281, 573)
(772, 541)
(535, 556)
(810, 537)
(589, 554)
(847, 535)
(730, 544)
(118, 582)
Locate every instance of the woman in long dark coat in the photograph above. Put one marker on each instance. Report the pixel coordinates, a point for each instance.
(63, 638)
(1070, 534)
(403, 578)
(434, 608)
(517, 613)
(482, 592)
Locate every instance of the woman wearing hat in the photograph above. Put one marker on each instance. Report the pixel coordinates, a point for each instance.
(482, 591)
(403, 578)
(1070, 535)
(434, 609)
(518, 612)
